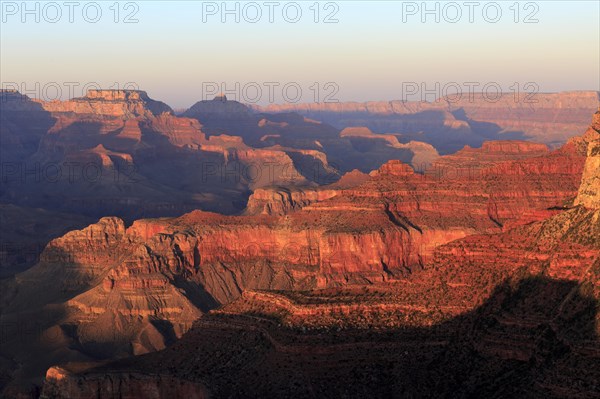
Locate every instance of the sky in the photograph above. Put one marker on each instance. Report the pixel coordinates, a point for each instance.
(182, 52)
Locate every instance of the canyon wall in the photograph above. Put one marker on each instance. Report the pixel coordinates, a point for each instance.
(589, 192)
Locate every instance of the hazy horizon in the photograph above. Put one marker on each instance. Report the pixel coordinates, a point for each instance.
(183, 53)
(151, 96)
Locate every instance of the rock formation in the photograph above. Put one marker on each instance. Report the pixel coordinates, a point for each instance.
(113, 103)
(589, 192)
(283, 200)
(218, 108)
(423, 154)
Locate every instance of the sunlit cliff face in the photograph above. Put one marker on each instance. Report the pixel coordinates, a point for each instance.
(589, 192)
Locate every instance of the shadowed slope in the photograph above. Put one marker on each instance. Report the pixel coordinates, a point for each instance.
(247, 355)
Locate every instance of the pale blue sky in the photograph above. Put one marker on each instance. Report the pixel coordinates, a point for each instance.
(369, 53)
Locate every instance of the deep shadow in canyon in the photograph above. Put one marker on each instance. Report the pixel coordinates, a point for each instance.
(534, 337)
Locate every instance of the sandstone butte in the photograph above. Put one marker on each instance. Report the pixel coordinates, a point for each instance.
(511, 313)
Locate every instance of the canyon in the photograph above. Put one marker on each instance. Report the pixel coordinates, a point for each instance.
(483, 306)
(450, 270)
(115, 152)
